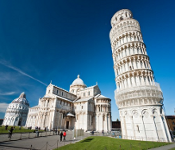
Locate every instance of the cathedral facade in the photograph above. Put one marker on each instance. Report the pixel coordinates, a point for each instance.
(81, 107)
(138, 97)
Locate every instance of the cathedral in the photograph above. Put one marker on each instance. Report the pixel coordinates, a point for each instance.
(81, 107)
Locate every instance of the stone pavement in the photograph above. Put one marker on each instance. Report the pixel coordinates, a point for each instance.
(17, 136)
(41, 143)
(166, 147)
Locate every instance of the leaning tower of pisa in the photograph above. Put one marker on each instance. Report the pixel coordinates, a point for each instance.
(138, 97)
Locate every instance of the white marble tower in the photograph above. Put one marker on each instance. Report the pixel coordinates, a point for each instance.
(137, 96)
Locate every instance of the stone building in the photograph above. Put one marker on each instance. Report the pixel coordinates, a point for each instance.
(116, 125)
(17, 110)
(138, 97)
(171, 123)
(81, 108)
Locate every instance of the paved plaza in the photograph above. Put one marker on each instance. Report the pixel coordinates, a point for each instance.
(41, 143)
(46, 141)
(166, 147)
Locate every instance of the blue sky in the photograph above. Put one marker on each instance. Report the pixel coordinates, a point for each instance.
(55, 40)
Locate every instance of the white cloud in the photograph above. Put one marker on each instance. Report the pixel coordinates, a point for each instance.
(7, 93)
(21, 72)
(3, 107)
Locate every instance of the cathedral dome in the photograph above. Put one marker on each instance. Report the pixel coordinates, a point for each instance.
(78, 81)
(21, 99)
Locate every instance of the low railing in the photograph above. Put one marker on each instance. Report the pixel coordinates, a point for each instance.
(23, 135)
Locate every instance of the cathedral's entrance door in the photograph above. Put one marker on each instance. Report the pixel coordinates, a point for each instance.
(67, 124)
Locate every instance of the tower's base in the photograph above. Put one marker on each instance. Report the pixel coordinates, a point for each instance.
(145, 123)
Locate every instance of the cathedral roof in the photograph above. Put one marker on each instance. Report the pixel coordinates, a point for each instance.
(102, 97)
(78, 81)
(84, 99)
(21, 99)
(70, 114)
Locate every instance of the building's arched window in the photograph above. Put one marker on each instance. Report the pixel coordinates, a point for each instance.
(82, 107)
(83, 94)
(57, 91)
(126, 14)
(89, 93)
(130, 68)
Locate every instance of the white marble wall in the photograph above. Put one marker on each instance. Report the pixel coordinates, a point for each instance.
(16, 114)
(144, 123)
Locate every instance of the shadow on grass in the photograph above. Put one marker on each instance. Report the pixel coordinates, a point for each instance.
(87, 140)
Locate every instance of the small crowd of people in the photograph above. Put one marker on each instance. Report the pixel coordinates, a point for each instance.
(92, 132)
(55, 131)
(30, 128)
(63, 135)
(37, 128)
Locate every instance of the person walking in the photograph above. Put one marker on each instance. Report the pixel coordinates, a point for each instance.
(10, 132)
(103, 132)
(6, 127)
(37, 132)
(64, 135)
(58, 131)
(61, 135)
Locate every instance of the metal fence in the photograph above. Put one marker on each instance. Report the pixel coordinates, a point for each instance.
(19, 136)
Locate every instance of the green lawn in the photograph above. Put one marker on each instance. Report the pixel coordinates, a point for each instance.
(16, 130)
(107, 143)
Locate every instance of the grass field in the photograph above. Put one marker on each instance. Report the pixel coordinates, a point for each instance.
(16, 130)
(107, 143)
